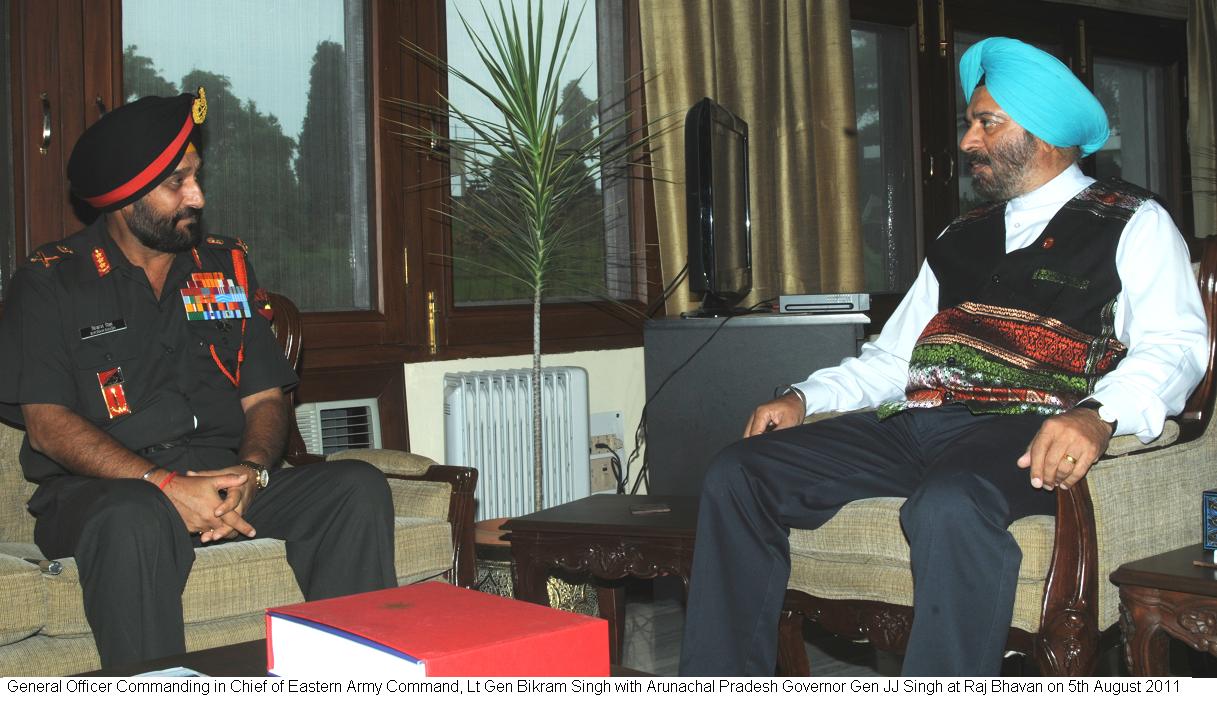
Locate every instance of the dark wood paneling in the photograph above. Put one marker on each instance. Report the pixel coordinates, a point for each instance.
(63, 49)
(19, 136)
(40, 185)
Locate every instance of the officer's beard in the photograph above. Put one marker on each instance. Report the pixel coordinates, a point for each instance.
(161, 232)
(1008, 163)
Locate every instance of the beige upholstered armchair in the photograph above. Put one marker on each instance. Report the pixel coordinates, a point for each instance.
(851, 576)
(43, 631)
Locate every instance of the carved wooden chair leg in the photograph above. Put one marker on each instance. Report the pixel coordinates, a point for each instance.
(792, 652)
(1068, 641)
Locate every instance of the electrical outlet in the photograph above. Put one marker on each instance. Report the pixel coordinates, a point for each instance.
(602, 475)
(614, 443)
(606, 429)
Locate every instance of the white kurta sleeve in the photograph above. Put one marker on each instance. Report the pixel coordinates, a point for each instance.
(1160, 317)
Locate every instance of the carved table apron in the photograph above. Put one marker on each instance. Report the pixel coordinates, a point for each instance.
(600, 536)
(1166, 595)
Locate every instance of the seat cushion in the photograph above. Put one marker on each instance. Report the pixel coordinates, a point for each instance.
(423, 548)
(25, 599)
(16, 524)
(226, 580)
(861, 553)
(245, 577)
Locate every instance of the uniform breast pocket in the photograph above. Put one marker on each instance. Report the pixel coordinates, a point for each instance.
(104, 367)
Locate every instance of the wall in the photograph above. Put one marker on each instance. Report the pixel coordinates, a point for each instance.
(615, 383)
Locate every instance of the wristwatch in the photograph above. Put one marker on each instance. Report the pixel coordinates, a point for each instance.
(261, 476)
(1097, 407)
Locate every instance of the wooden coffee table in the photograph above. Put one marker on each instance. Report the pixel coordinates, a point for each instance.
(1166, 595)
(600, 536)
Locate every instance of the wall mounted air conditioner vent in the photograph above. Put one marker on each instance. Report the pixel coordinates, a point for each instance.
(331, 426)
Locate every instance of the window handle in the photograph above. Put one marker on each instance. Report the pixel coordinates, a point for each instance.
(950, 157)
(45, 146)
(929, 160)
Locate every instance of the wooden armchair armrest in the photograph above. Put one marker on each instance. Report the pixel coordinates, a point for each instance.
(409, 467)
(463, 481)
(1069, 632)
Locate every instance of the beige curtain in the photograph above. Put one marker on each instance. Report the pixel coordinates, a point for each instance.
(1202, 113)
(786, 68)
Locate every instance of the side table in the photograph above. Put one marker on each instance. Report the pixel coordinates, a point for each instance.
(1166, 595)
(600, 536)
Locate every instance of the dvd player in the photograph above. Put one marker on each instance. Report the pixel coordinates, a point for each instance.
(824, 303)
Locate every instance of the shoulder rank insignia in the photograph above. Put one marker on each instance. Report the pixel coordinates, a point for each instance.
(43, 259)
(63, 249)
(242, 245)
(216, 241)
(100, 261)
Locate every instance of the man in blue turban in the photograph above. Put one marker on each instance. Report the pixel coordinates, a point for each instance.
(1042, 323)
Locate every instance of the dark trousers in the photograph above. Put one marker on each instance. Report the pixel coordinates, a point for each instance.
(134, 553)
(963, 487)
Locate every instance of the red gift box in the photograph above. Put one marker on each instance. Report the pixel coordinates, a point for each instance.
(432, 629)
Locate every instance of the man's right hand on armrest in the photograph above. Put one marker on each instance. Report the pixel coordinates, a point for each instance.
(782, 412)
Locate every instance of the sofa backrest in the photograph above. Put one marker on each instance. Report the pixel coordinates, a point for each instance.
(16, 523)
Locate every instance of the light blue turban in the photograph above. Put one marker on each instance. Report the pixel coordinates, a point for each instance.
(1038, 91)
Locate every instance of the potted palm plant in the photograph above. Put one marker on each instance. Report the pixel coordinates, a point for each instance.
(531, 162)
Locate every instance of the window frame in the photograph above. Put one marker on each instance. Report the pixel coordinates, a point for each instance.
(404, 226)
(906, 270)
(1106, 35)
(468, 330)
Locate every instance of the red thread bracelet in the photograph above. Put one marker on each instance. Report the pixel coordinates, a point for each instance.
(165, 482)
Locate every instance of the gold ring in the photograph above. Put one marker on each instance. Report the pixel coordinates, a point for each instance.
(1070, 459)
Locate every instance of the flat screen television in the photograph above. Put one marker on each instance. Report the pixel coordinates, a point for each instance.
(720, 226)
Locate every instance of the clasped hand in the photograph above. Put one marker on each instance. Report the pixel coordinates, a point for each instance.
(1065, 447)
(212, 502)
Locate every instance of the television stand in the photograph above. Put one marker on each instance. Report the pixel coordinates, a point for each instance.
(720, 369)
(728, 313)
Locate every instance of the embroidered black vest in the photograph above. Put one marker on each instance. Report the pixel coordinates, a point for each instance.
(1029, 331)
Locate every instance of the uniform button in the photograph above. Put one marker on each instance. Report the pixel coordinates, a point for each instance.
(948, 396)
(996, 278)
(109, 357)
(950, 360)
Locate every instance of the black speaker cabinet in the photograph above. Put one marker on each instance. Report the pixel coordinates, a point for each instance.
(700, 397)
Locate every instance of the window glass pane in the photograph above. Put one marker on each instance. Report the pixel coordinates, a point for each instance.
(8, 229)
(595, 261)
(1132, 94)
(963, 40)
(286, 139)
(886, 185)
